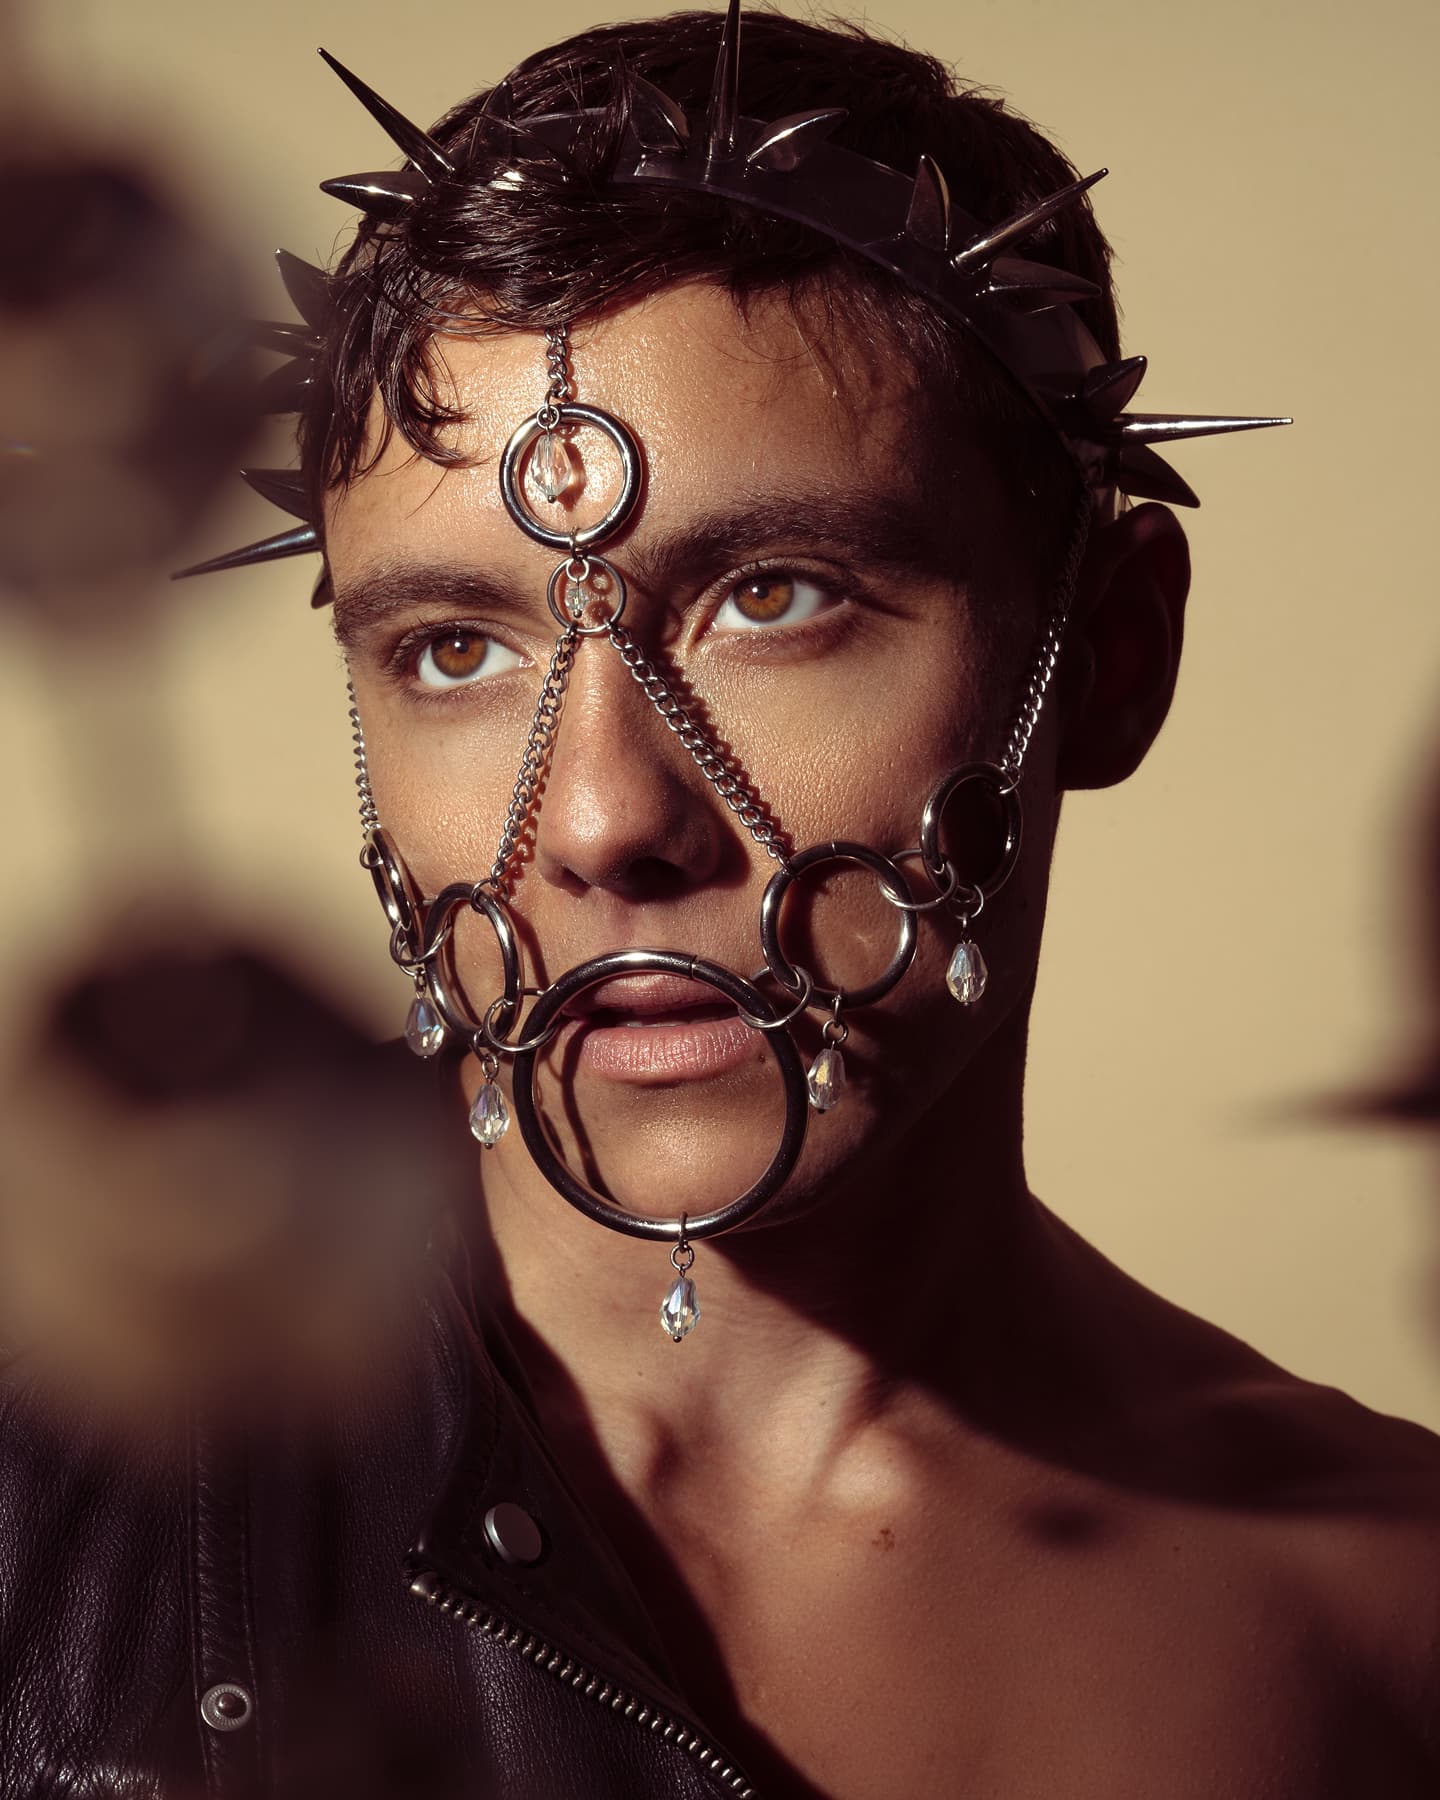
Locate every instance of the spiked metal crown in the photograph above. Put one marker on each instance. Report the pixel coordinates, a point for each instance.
(1020, 311)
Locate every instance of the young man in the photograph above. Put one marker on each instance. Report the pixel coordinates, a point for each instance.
(933, 1499)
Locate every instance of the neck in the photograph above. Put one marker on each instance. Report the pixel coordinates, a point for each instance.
(915, 1283)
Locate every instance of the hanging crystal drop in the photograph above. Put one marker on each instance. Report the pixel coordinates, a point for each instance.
(825, 1081)
(489, 1116)
(576, 600)
(424, 1029)
(967, 973)
(680, 1310)
(551, 467)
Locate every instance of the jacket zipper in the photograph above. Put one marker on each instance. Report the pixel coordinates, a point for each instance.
(436, 1591)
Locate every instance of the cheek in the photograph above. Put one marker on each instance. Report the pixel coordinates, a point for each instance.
(442, 779)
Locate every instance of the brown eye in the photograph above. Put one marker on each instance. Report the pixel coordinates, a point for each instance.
(764, 599)
(777, 599)
(458, 657)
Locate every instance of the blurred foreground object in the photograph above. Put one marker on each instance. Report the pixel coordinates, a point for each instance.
(124, 390)
(216, 1194)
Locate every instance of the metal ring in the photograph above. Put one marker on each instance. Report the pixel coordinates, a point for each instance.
(623, 504)
(794, 1012)
(1005, 792)
(524, 1046)
(919, 906)
(397, 893)
(737, 990)
(562, 573)
(779, 964)
(444, 983)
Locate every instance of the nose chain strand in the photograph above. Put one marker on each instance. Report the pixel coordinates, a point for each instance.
(525, 796)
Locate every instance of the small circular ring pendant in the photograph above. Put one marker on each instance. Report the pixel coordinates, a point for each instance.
(891, 882)
(565, 572)
(513, 461)
(742, 994)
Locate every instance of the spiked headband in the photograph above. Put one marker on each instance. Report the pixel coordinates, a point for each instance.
(1020, 311)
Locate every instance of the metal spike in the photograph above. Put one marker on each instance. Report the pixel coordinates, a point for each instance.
(286, 543)
(928, 220)
(500, 103)
(790, 140)
(1110, 388)
(418, 145)
(1037, 284)
(308, 287)
(1145, 476)
(724, 105)
(985, 249)
(1169, 428)
(290, 340)
(284, 389)
(284, 488)
(379, 196)
(658, 122)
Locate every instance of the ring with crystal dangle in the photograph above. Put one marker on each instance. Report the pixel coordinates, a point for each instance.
(444, 983)
(742, 994)
(1004, 789)
(891, 881)
(548, 423)
(398, 895)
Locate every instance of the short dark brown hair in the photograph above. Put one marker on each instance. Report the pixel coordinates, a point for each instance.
(473, 254)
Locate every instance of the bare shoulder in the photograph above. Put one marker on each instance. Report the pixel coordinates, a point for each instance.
(1346, 1504)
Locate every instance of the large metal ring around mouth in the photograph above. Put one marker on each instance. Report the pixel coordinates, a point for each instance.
(621, 507)
(891, 882)
(741, 993)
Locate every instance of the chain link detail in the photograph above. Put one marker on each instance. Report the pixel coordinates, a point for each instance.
(369, 816)
(557, 371)
(709, 759)
(533, 763)
(1042, 669)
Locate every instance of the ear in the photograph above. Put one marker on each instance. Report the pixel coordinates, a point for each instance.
(1122, 646)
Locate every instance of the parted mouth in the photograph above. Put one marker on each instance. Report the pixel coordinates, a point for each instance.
(650, 1000)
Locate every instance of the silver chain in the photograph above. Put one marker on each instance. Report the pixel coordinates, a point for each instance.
(717, 768)
(538, 745)
(369, 816)
(557, 371)
(1042, 669)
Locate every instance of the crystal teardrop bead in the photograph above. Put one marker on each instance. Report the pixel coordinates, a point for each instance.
(489, 1115)
(825, 1081)
(967, 973)
(424, 1029)
(551, 467)
(680, 1310)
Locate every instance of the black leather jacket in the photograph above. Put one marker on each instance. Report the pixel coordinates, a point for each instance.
(420, 1608)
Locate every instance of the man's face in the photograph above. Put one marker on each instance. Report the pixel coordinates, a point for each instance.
(812, 573)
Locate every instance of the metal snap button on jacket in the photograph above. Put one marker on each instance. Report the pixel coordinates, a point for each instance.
(226, 1706)
(513, 1533)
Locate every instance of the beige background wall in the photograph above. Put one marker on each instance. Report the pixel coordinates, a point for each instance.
(1237, 935)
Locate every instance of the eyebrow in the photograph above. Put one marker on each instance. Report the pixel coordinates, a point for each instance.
(893, 530)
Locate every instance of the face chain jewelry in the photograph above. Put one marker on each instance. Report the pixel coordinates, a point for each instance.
(586, 594)
(1019, 312)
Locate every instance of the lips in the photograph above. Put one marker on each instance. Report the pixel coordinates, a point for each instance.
(658, 1029)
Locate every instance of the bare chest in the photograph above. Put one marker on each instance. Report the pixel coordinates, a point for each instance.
(1061, 1659)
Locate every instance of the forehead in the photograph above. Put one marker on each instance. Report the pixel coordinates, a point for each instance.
(718, 397)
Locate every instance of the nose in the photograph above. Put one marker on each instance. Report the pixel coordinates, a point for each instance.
(625, 810)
